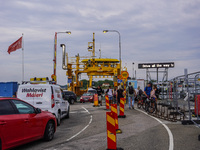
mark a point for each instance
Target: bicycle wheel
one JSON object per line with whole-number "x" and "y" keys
{"x": 151, "y": 107}
{"x": 139, "y": 104}
{"x": 144, "y": 106}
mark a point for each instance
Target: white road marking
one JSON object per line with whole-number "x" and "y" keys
{"x": 73, "y": 112}
{"x": 171, "y": 139}
{"x": 83, "y": 128}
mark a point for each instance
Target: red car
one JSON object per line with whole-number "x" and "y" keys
{"x": 87, "y": 97}
{"x": 21, "y": 123}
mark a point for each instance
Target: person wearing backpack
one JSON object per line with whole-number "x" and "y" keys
{"x": 131, "y": 93}
{"x": 120, "y": 94}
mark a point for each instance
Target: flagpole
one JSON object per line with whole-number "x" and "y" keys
{"x": 22, "y": 57}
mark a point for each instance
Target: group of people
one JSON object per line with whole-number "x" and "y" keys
{"x": 115, "y": 95}
{"x": 118, "y": 92}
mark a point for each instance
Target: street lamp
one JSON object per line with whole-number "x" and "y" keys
{"x": 105, "y": 31}
{"x": 133, "y": 69}
{"x": 55, "y": 48}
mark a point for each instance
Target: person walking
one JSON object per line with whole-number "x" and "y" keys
{"x": 109, "y": 92}
{"x": 99, "y": 92}
{"x": 119, "y": 94}
{"x": 139, "y": 93}
{"x": 131, "y": 93}
{"x": 115, "y": 95}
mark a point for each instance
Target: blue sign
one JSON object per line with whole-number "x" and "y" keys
{"x": 119, "y": 81}
{"x": 69, "y": 80}
{"x": 133, "y": 83}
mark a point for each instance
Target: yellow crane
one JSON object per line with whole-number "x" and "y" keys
{"x": 93, "y": 67}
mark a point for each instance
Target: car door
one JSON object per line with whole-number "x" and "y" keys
{"x": 33, "y": 122}
{"x": 62, "y": 102}
{"x": 11, "y": 125}
{"x": 66, "y": 95}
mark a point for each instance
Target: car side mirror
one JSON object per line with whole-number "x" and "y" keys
{"x": 38, "y": 110}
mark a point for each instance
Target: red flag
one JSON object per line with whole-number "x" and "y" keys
{"x": 16, "y": 45}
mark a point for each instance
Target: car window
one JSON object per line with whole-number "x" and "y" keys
{"x": 23, "y": 107}
{"x": 87, "y": 94}
{"x": 6, "y": 108}
{"x": 67, "y": 93}
{"x": 92, "y": 91}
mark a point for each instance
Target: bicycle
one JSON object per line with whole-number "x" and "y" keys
{"x": 142, "y": 102}
{"x": 151, "y": 105}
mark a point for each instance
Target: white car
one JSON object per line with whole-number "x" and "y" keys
{"x": 47, "y": 97}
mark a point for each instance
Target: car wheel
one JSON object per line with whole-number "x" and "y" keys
{"x": 67, "y": 116}
{"x": 72, "y": 101}
{"x": 49, "y": 131}
{"x": 58, "y": 119}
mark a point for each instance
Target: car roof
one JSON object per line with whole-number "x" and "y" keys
{"x": 91, "y": 89}
{"x": 42, "y": 85}
{"x": 7, "y": 98}
{"x": 68, "y": 91}
{"x": 13, "y": 98}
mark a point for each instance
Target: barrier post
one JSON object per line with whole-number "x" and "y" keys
{"x": 96, "y": 101}
{"x": 111, "y": 132}
{"x": 114, "y": 111}
{"x": 121, "y": 110}
{"x": 107, "y": 102}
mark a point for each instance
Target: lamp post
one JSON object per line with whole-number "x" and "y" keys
{"x": 55, "y": 48}
{"x": 133, "y": 70}
{"x": 105, "y": 31}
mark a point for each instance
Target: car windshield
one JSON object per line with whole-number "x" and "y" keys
{"x": 87, "y": 94}
{"x": 92, "y": 91}
{"x": 67, "y": 93}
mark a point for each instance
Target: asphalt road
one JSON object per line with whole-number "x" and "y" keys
{"x": 86, "y": 130}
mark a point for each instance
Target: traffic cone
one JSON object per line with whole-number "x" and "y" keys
{"x": 107, "y": 102}
{"x": 121, "y": 110}
{"x": 96, "y": 101}
{"x": 114, "y": 111}
{"x": 111, "y": 132}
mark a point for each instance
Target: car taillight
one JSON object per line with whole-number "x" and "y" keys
{"x": 52, "y": 101}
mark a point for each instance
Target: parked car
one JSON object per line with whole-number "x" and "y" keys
{"x": 47, "y": 97}
{"x": 87, "y": 97}
{"x": 21, "y": 123}
{"x": 70, "y": 96}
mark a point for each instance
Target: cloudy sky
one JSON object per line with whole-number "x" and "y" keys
{"x": 151, "y": 31}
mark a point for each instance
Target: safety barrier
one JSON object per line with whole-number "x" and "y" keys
{"x": 96, "y": 101}
{"x": 114, "y": 111}
{"x": 169, "y": 112}
{"x": 111, "y": 132}
{"x": 121, "y": 109}
{"x": 107, "y": 102}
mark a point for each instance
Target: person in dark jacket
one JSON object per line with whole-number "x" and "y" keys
{"x": 120, "y": 94}
{"x": 99, "y": 92}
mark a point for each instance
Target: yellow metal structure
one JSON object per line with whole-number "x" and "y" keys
{"x": 93, "y": 67}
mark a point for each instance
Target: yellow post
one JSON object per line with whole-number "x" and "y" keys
{"x": 90, "y": 81}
